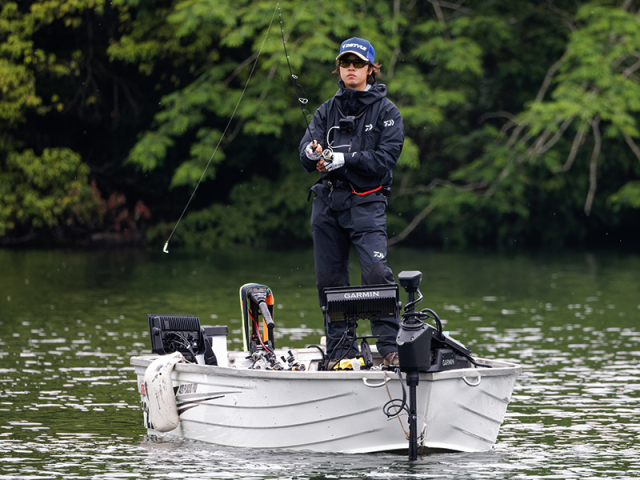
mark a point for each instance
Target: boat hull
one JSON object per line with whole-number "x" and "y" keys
{"x": 458, "y": 410}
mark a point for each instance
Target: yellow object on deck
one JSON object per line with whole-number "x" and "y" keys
{"x": 348, "y": 364}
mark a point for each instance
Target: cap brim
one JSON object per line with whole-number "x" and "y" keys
{"x": 355, "y": 53}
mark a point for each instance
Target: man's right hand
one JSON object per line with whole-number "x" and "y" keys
{"x": 311, "y": 153}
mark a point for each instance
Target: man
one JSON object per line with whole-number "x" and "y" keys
{"x": 361, "y": 133}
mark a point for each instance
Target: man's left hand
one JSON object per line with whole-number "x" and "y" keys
{"x": 337, "y": 161}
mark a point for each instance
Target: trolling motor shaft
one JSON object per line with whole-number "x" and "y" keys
{"x": 412, "y": 338}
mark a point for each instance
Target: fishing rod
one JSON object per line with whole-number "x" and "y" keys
{"x": 301, "y": 101}
{"x": 166, "y": 245}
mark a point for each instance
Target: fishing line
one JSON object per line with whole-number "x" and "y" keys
{"x": 301, "y": 101}
{"x": 166, "y": 245}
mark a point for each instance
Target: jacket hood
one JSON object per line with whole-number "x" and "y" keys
{"x": 352, "y": 102}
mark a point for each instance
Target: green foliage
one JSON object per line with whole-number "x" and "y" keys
{"x": 18, "y": 91}
{"x": 259, "y": 213}
{"x": 596, "y": 76}
{"x": 44, "y": 191}
{"x": 595, "y": 91}
{"x": 520, "y": 117}
{"x": 49, "y": 189}
{"x": 628, "y": 195}
{"x": 150, "y": 150}
{"x": 410, "y": 156}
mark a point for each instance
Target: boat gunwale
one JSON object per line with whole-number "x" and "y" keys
{"x": 499, "y": 368}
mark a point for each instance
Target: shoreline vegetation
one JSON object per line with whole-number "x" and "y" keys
{"x": 521, "y": 121}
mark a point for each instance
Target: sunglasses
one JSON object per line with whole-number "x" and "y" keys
{"x": 356, "y": 63}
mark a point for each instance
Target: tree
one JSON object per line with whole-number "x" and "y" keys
{"x": 597, "y": 92}
{"x": 519, "y": 177}
{"x": 66, "y": 113}
{"x": 50, "y": 189}
{"x": 520, "y": 117}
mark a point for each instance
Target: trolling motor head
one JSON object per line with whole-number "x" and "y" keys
{"x": 414, "y": 336}
{"x": 421, "y": 347}
{"x": 410, "y": 280}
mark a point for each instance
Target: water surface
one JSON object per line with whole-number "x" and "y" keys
{"x": 70, "y": 321}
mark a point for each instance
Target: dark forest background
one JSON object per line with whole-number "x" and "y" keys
{"x": 521, "y": 119}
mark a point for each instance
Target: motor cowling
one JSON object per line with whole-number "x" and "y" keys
{"x": 414, "y": 346}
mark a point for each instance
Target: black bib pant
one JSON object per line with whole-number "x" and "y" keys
{"x": 364, "y": 226}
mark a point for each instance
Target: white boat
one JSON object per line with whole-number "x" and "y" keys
{"x": 242, "y": 402}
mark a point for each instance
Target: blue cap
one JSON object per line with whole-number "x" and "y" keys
{"x": 360, "y": 47}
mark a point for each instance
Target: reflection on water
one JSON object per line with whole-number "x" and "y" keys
{"x": 70, "y": 321}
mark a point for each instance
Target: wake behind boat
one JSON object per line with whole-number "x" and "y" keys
{"x": 440, "y": 398}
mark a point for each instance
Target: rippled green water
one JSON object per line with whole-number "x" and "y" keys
{"x": 70, "y": 321}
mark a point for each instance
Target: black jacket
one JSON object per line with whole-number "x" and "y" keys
{"x": 371, "y": 149}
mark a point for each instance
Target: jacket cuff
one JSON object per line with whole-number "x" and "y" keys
{"x": 351, "y": 159}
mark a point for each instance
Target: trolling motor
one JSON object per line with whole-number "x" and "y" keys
{"x": 423, "y": 348}
{"x": 414, "y": 337}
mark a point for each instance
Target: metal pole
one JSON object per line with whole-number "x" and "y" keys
{"x": 412, "y": 381}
